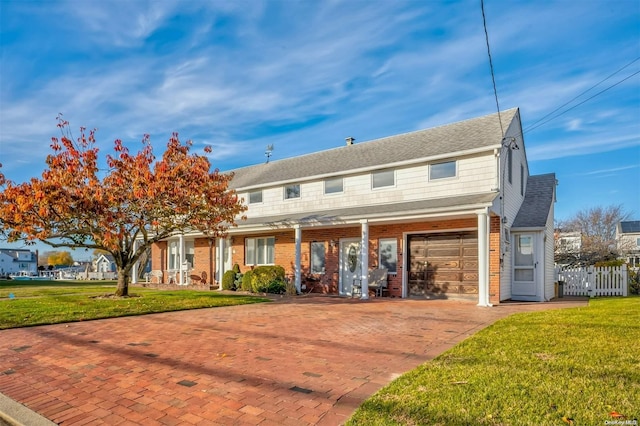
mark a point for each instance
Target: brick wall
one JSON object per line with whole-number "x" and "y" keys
{"x": 328, "y": 282}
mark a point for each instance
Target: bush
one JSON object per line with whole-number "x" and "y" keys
{"x": 246, "y": 281}
{"x": 228, "y": 280}
{"x": 634, "y": 281}
{"x": 263, "y": 276}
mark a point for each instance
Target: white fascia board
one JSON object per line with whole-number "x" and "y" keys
{"x": 451, "y": 155}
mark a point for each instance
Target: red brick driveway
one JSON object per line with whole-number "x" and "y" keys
{"x": 311, "y": 361}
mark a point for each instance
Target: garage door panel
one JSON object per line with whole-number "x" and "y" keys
{"x": 443, "y": 264}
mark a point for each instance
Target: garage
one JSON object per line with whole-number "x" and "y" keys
{"x": 443, "y": 265}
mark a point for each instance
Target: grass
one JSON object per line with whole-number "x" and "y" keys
{"x": 576, "y": 366}
{"x": 53, "y": 302}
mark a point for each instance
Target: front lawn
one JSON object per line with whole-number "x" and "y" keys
{"x": 26, "y": 303}
{"x": 576, "y": 366}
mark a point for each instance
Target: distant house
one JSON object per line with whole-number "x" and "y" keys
{"x": 567, "y": 246}
{"x": 450, "y": 212}
{"x": 104, "y": 263}
{"x": 18, "y": 261}
{"x": 628, "y": 238}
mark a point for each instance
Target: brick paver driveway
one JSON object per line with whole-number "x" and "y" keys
{"x": 308, "y": 361}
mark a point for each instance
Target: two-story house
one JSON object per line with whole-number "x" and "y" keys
{"x": 628, "y": 238}
{"x": 18, "y": 262}
{"x": 450, "y": 212}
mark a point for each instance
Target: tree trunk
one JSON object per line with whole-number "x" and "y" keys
{"x": 123, "y": 283}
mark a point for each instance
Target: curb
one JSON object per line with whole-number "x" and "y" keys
{"x": 13, "y": 413}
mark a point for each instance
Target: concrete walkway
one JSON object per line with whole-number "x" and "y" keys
{"x": 306, "y": 361}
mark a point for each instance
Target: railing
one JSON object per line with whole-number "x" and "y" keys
{"x": 591, "y": 281}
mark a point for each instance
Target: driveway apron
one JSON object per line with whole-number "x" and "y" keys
{"x": 300, "y": 361}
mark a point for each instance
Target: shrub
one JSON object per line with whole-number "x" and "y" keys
{"x": 634, "y": 281}
{"x": 263, "y": 276}
{"x": 246, "y": 281}
{"x": 228, "y": 280}
{"x": 236, "y": 268}
{"x": 277, "y": 286}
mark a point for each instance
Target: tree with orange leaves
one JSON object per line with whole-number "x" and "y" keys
{"x": 136, "y": 199}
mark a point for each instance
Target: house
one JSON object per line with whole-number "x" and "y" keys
{"x": 18, "y": 262}
{"x": 450, "y": 212}
{"x": 628, "y": 238}
{"x": 567, "y": 246}
{"x": 104, "y": 263}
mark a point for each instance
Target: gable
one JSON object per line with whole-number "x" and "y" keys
{"x": 440, "y": 142}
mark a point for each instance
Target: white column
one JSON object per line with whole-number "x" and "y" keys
{"x": 298, "y": 267}
{"x": 483, "y": 259}
{"x": 364, "y": 259}
{"x": 134, "y": 275}
{"x": 220, "y": 261}
{"x": 181, "y": 257}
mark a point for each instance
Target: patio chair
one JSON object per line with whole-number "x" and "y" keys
{"x": 378, "y": 280}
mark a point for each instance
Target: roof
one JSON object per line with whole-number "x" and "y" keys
{"x": 477, "y": 133}
{"x": 330, "y": 217}
{"x": 537, "y": 203}
{"x": 630, "y": 226}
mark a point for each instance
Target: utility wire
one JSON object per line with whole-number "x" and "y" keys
{"x": 493, "y": 78}
{"x": 533, "y": 125}
{"x": 530, "y": 128}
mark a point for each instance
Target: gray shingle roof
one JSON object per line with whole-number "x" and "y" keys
{"x": 537, "y": 202}
{"x": 326, "y": 217}
{"x": 630, "y": 226}
{"x": 482, "y": 132}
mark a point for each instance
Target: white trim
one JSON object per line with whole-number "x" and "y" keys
{"x": 362, "y": 170}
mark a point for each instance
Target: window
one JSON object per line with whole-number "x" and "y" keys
{"x": 510, "y": 164}
{"x": 259, "y": 251}
{"x": 442, "y": 170}
{"x": 317, "y": 258}
{"x": 638, "y": 242}
{"x": 333, "y": 186}
{"x": 388, "y": 254}
{"x": 292, "y": 191}
{"x": 383, "y": 178}
{"x": 174, "y": 254}
{"x": 521, "y": 179}
{"x": 255, "y": 197}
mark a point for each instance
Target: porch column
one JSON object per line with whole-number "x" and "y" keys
{"x": 134, "y": 275}
{"x": 220, "y": 261}
{"x": 364, "y": 259}
{"x": 298, "y": 267}
{"x": 483, "y": 258}
{"x": 181, "y": 257}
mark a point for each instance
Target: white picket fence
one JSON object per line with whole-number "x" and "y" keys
{"x": 592, "y": 281}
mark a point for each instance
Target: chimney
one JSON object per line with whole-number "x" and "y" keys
{"x": 350, "y": 140}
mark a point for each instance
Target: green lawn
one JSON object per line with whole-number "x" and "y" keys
{"x": 26, "y": 303}
{"x": 576, "y": 366}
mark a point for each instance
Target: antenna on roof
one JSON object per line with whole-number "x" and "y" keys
{"x": 268, "y": 152}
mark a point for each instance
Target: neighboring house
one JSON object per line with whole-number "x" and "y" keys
{"x": 18, "y": 261}
{"x": 104, "y": 263}
{"x": 451, "y": 212}
{"x": 567, "y": 246}
{"x": 628, "y": 238}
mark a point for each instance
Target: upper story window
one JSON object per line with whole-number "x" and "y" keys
{"x": 333, "y": 186}
{"x": 255, "y": 197}
{"x": 442, "y": 170}
{"x": 383, "y": 178}
{"x": 521, "y": 179}
{"x": 638, "y": 242}
{"x": 292, "y": 191}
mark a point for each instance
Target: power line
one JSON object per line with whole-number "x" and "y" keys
{"x": 530, "y": 128}
{"x": 493, "y": 78}
{"x": 533, "y": 125}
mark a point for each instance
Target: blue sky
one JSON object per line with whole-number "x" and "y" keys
{"x": 303, "y": 75}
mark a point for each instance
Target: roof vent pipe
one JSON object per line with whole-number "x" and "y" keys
{"x": 350, "y": 140}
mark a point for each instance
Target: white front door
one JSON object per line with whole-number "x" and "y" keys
{"x": 350, "y": 268}
{"x": 524, "y": 267}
